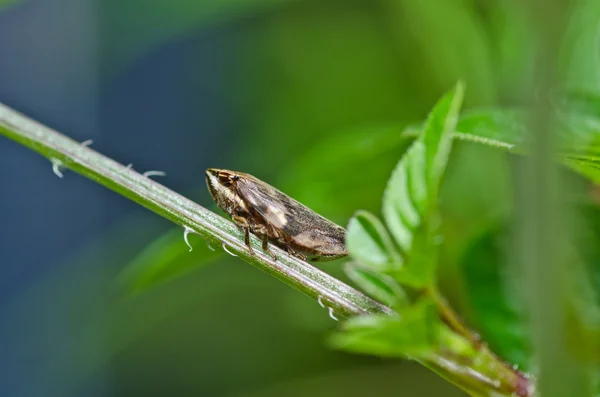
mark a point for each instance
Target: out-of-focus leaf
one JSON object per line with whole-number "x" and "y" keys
{"x": 502, "y": 128}
{"x": 379, "y": 286}
{"x": 580, "y": 102}
{"x": 513, "y": 47}
{"x": 370, "y": 244}
{"x": 411, "y": 333}
{"x": 473, "y": 198}
{"x": 579, "y": 56}
{"x": 495, "y": 310}
{"x": 492, "y": 288}
{"x": 496, "y": 127}
{"x": 588, "y": 237}
{"x": 584, "y": 327}
{"x": 578, "y": 130}
{"x": 331, "y": 177}
{"x": 412, "y": 189}
{"x": 164, "y": 259}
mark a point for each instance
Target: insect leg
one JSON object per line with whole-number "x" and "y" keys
{"x": 264, "y": 232}
{"x": 265, "y": 242}
{"x": 243, "y": 223}
{"x": 265, "y": 247}
{"x": 247, "y": 239}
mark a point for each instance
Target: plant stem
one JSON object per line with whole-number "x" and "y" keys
{"x": 66, "y": 153}
{"x": 490, "y": 363}
{"x": 451, "y": 318}
{"x": 344, "y": 300}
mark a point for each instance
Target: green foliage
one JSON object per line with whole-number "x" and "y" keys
{"x": 410, "y": 197}
{"x": 370, "y": 244}
{"x": 331, "y": 178}
{"x": 396, "y": 260}
{"x": 412, "y": 333}
{"x": 378, "y": 285}
{"x": 578, "y": 130}
{"x": 496, "y": 310}
{"x": 318, "y": 76}
{"x": 409, "y": 209}
{"x": 502, "y": 128}
{"x": 579, "y": 57}
{"x": 496, "y": 295}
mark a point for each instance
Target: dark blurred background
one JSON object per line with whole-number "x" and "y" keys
{"x": 99, "y": 297}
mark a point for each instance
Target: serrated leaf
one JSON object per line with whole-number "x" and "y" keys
{"x": 578, "y": 130}
{"x": 500, "y": 128}
{"x": 412, "y": 189}
{"x": 379, "y": 286}
{"x": 420, "y": 271}
{"x": 437, "y": 135}
{"x": 411, "y": 333}
{"x": 370, "y": 244}
{"x": 403, "y": 215}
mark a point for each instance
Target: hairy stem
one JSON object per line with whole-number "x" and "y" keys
{"x": 69, "y": 154}
{"x": 65, "y": 153}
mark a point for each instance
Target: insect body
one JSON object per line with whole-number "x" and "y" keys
{"x": 274, "y": 217}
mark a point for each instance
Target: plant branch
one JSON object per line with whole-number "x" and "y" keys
{"x": 66, "y": 153}
{"x": 512, "y": 378}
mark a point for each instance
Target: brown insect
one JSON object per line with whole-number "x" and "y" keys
{"x": 258, "y": 207}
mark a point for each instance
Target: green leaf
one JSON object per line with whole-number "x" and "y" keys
{"x": 401, "y": 212}
{"x": 411, "y": 333}
{"x": 496, "y": 306}
{"x": 579, "y": 53}
{"x": 578, "y": 130}
{"x": 437, "y": 135}
{"x": 500, "y": 128}
{"x": 164, "y": 259}
{"x": 495, "y": 310}
{"x": 411, "y": 194}
{"x": 379, "y": 286}
{"x": 342, "y": 183}
{"x": 370, "y": 244}
{"x": 581, "y": 102}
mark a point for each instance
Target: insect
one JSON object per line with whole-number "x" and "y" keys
{"x": 258, "y": 207}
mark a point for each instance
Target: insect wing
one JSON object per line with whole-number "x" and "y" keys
{"x": 307, "y": 228}
{"x": 275, "y": 207}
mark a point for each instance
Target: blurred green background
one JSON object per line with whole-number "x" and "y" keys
{"x": 103, "y": 299}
